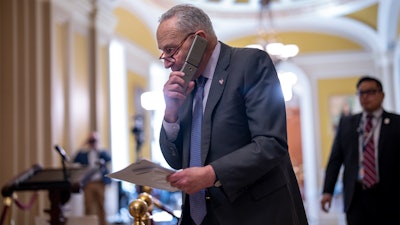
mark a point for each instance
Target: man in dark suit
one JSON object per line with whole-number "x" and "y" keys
{"x": 245, "y": 169}
{"x": 369, "y": 198}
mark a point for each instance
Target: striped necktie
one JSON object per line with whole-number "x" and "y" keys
{"x": 369, "y": 166}
{"x": 197, "y": 200}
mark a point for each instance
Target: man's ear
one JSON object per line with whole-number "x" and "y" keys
{"x": 201, "y": 33}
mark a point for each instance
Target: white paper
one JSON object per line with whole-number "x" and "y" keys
{"x": 145, "y": 173}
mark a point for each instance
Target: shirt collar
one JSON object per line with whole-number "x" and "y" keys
{"x": 377, "y": 113}
{"x": 212, "y": 63}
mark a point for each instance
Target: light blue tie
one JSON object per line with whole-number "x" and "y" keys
{"x": 197, "y": 200}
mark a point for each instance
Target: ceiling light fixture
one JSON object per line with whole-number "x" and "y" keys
{"x": 277, "y": 50}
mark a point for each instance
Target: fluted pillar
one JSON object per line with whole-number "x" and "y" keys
{"x": 53, "y": 84}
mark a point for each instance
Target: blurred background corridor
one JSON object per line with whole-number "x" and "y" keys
{"x": 71, "y": 67}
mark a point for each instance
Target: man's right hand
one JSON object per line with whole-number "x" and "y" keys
{"x": 175, "y": 94}
{"x": 326, "y": 202}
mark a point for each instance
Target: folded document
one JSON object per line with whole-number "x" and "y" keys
{"x": 145, "y": 173}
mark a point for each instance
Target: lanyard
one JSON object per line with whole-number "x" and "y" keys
{"x": 366, "y": 137}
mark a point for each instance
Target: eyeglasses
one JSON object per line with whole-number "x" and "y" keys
{"x": 169, "y": 53}
{"x": 368, "y": 92}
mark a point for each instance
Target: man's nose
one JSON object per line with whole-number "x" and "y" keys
{"x": 168, "y": 64}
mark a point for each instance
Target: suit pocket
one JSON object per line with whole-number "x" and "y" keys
{"x": 268, "y": 184}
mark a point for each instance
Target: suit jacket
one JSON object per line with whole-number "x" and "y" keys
{"x": 82, "y": 158}
{"x": 345, "y": 151}
{"x": 244, "y": 138}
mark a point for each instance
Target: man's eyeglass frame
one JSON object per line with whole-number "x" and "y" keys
{"x": 368, "y": 92}
{"x": 170, "y": 57}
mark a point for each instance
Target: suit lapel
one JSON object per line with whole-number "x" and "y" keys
{"x": 384, "y": 131}
{"x": 217, "y": 87}
{"x": 354, "y": 138}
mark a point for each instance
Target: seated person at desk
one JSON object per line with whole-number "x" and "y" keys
{"x": 91, "y": 155}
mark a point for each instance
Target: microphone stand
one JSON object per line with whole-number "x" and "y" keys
{"x": 64, "y": 158}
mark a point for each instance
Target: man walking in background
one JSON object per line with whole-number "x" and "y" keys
{"x": 368, "y": 146}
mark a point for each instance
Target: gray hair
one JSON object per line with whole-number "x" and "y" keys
{"x": 190, "y": 19}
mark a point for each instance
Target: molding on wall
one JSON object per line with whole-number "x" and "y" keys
{"x": 138, "y": 59}
{"x": 339, "y": 64}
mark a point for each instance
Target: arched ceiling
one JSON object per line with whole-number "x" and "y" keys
{"x": 314, "y": 25}
{"x": 288, "y": 8}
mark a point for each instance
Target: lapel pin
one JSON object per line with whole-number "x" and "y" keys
{"x": 221, "y": 82}
{"x": 386, "y": 121}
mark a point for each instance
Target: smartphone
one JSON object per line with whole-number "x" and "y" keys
{"x": 193, "y": 58}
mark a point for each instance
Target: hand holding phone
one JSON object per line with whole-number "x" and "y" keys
{"x": 193, "y": 58}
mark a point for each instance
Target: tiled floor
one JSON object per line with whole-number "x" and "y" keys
{"x": 328, "y": 219}
{"x": 317, "y": 217}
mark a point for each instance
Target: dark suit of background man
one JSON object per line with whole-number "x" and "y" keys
{"x": 247, "y": 172}
{"x": 93, "y": 156}
{"x": 379, "y": 204}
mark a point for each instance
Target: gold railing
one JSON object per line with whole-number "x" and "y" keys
{"x": 141, "y": 208}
